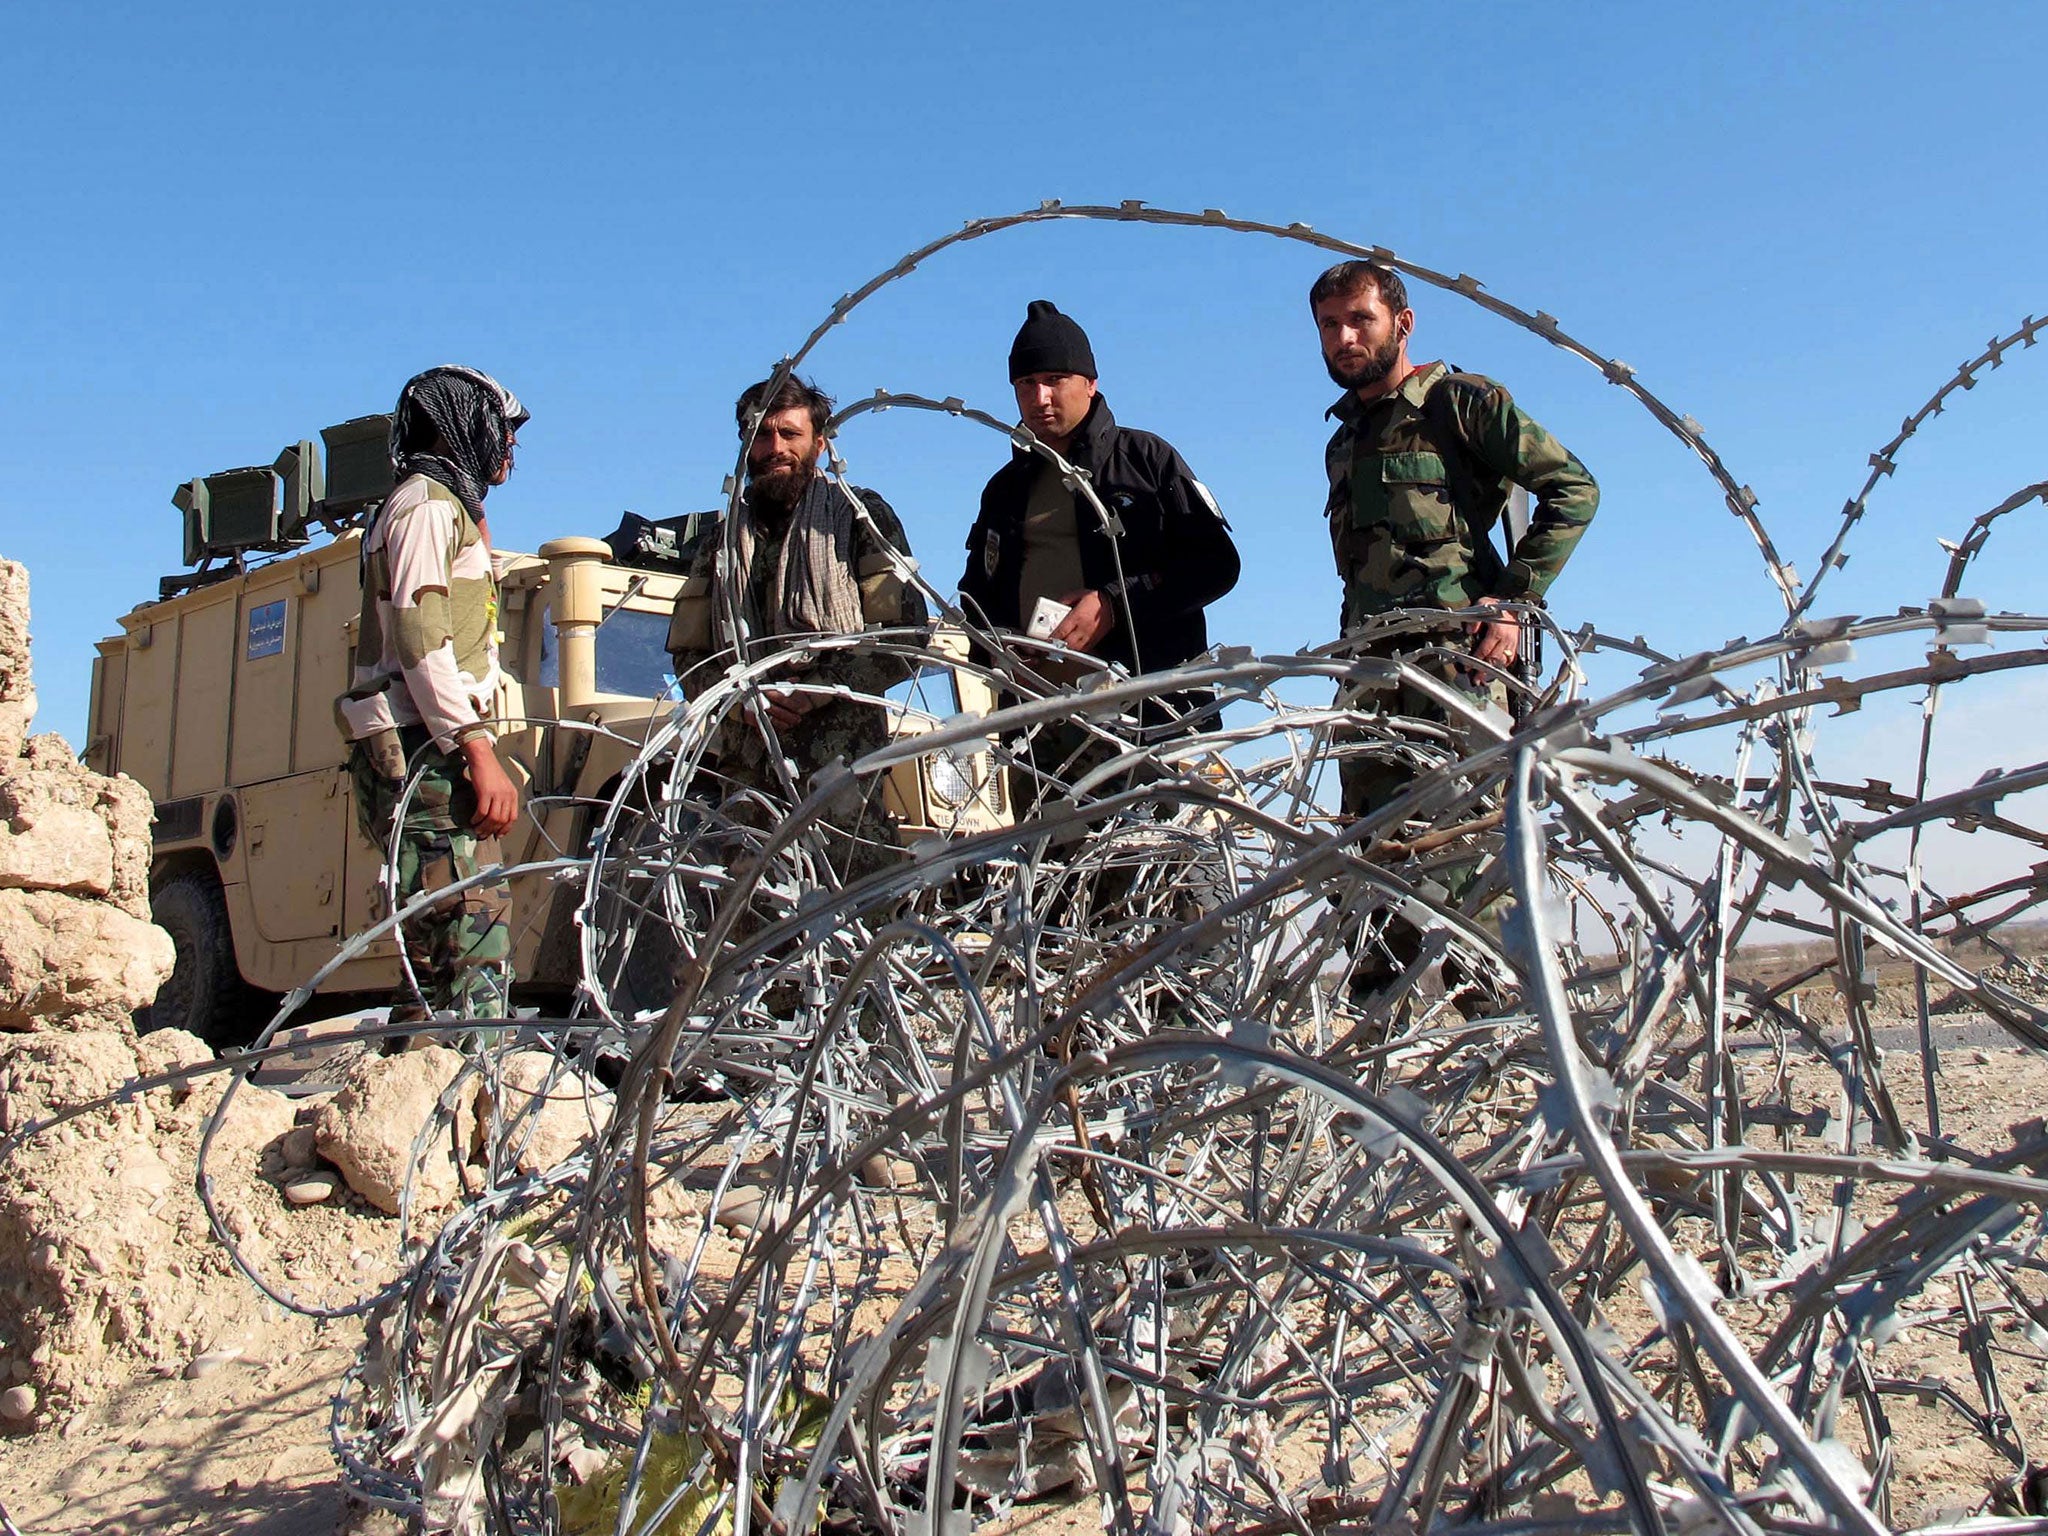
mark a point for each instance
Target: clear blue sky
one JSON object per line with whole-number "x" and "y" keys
{"x": 229, "y": 226}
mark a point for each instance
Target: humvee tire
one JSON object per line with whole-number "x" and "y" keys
{"x": 205, "y": 994}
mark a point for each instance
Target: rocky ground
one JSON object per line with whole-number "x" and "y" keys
{"x": 144, "y": 1384}
{"x": 225, "y": 1429}
{"x": 174, "y": 1396}
{"x": 241, "y": 1446}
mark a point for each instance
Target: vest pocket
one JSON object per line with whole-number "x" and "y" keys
{"x": 1418, "y": 500}
{"x": 881, "y": 590}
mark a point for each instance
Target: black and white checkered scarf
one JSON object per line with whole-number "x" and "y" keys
{"x": 454, "y": 425}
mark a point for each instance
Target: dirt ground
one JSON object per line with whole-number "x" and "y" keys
{"x": 236, "y": 1440}
{"x": 241, "y": 1448}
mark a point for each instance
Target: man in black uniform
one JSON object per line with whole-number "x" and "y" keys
{"x": 1133, "y": 585}
{"x": 1135, "y": 591}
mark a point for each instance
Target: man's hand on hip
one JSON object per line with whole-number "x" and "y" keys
{"x": 1090, "y": 622}
{"x": 497, "y": 797}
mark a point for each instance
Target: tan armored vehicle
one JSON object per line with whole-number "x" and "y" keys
{"x": 218, "y": 698}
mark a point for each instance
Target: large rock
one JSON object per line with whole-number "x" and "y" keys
{"x": 166, "y": 1050}
{"x": 257, "y": 1119}
{"x": 17, "y": 695}
{"x": 15, "y": 715}
{"x": 51, "y": 1071}
{"x": 49, "y": 782}
{"x": 367, "y": 1130}
{"x": 64, "y": 961}
{"x": 547, "y": 1112}
{"x": 106, "y": 1260}
{"x": 128, "y": 811}
{"x": 53, "y": 836}
{"x": 14, "y": 673}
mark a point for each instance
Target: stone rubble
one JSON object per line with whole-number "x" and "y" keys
{"x": 108, "y": 1264}
{"x": 102, "y": 1266}
{"x": 547, "y": 1111}
{"x": 368, "y": 1129}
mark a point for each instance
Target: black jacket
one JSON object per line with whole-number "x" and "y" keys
{"x": 1177, "y": 554}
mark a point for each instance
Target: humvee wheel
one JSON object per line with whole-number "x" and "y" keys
{"x": 205, "y": 994}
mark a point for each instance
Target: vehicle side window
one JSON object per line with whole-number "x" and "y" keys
{"x": 550, "y": 663}
{"x": 632, "y": 653}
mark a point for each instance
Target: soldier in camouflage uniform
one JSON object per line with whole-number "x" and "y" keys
{"x": 426, "y": 671}
{"x": 817, "y": 561}
{"x": 1420, "y": 468}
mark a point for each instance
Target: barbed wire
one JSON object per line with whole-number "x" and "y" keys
{"x": 1155, "y": 1147}
{"x": 1258, "y": 1025}
{"x": 1884, "y": 461}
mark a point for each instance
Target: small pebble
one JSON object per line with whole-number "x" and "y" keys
{"x": 312, "y": 1190}
{"x": 18, "y": 1404}
{"x": 885, "y": 1172}
{"x": 297, "y": 1147}
{"x": 746, "y": 1210}
{"x": 211, "y": 1361}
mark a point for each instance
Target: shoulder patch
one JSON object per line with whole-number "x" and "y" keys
{"x": 1208, "y": 500}
{"x": 991, "y": 553}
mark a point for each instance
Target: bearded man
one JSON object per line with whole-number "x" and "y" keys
{"x": 814, "y": 557}
{"x": 1419, "y": 469}
{"x": 426, "y": 673}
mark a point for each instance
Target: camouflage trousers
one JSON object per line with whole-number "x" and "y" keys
{"x": 1372, "y": 779}
{"x": 460, "y": 948}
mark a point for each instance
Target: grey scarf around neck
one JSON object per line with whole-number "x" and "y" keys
{"x": 813, "y": 588}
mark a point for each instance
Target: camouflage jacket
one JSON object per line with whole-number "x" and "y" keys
{"x": 1419, "y": 477}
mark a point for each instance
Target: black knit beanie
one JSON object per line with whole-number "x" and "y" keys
{"x": 1050, "y": 342}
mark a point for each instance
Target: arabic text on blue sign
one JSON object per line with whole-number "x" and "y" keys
{"x": 266, "y": 630}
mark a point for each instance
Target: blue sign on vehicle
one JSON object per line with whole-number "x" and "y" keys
{"x": 266, "y": 631}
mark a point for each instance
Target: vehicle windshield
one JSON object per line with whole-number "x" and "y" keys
{"x": 928, "y": 691}
{"x": 632, "y": 654}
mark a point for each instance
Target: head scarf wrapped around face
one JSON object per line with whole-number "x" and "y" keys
{"x": 455, "y": 425}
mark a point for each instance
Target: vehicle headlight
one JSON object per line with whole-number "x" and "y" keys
{"x": 950, "y": 780}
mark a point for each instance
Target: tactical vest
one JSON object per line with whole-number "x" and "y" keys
{"x": 1413, "y": 530}
{"x": 472, "y": 600}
